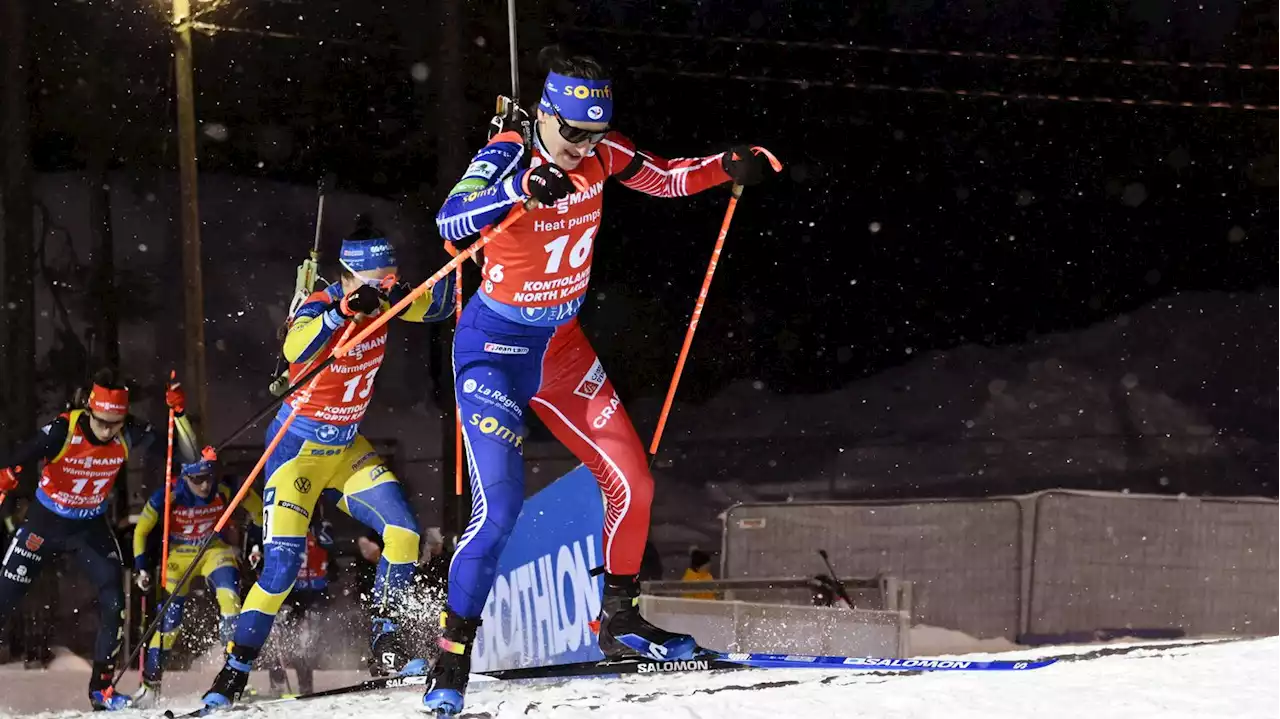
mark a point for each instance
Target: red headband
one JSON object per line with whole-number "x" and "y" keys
{"x": 109, "y": 401}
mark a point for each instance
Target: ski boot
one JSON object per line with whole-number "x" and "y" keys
{"x": 108, "y": 700}
{"x": 624, "y": 634}
{"x": 148, "y": 695}
{"x": 230, "y": 683}
{"x": 278, "y": 683}
{"x": 390, "y": 656}
{"x": 448, "y": 681}
{"x": 103, "y": 696}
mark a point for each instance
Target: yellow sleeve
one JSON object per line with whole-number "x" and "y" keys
{"x": 304, "y": 338}
{"x": 312, "y": 326}
{"x": 436, "y": 304}
{"x": 146, "y": 522}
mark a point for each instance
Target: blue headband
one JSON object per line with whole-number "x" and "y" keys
{"x": 576, "y": 99}
{"x": 366, "y": 255}
{"x": 203, "y": 466}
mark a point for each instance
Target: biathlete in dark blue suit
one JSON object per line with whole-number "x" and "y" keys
{"x": 83, "y": 451}
{"x": 519, "y": 346}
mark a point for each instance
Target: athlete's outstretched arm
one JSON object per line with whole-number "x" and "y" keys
{"x": 490, "y": 187}
{"x": 658, "y": 176}
{"x": 146, "y": 522}
{"x": 45, "y": 445}
{"x": 437, "y": 304}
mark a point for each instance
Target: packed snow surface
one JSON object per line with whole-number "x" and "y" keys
{"x": 1235, "y": 679}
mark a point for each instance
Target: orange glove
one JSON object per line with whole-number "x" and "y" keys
{"x": 175, "y": 398}
{"x": 9, "y": 479}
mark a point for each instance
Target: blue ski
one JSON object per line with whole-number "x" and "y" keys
{"x": 711, "y": 661}
{"x": 925, "y": 664}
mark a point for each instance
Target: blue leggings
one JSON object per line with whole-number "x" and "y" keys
{"x": 501, "y": 369}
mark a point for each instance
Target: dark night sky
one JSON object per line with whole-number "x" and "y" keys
{"x": 904, "y": 222}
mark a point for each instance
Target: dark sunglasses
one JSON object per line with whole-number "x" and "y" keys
{"x": 200, "y": 478}
{"x": 104, "y": 422}
{"x": 576, "y": 135}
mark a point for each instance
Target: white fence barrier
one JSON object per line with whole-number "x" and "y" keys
{"x": 1051, "y": 563}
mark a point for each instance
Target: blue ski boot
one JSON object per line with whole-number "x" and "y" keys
{"x": 389, "y": 655}
{"x": 103, "y": 696}
{"x": 108, "y": 700}
{"x": 624, "y": 634}
{"x": 448, "y": 683}
{"x": 230, "y": 683}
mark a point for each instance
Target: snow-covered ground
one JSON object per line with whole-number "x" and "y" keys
{"x": 1235, "y": 679}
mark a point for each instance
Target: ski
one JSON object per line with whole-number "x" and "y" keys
{"x": 367, "y": 685}
{"x": 713, "y": 661}
{"x": 708, "y": 661}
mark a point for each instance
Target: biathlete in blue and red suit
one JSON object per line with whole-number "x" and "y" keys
{"x": 519, "y": 345}
{"x": 83, "y": 451}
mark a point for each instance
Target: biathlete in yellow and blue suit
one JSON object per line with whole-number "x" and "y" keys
{"x": 196, "y": 503}
{"x": 323, "y": 452}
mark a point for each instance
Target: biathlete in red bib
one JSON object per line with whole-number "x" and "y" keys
{"x": 519, "y": 346}
{"x": 323, "y": 453}
{"x": 83, "y": 451}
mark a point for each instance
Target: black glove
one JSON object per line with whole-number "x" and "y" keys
{"x": 364, "y": 300}
{"x": 547, "y": 184}
{"x": 746, "y": 165}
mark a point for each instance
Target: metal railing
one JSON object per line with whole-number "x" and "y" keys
{"x": 1038, "y": 567}
{"x": 882, "y": 592}
{"x": 737, "y": 626}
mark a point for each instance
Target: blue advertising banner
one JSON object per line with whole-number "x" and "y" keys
{"x": 544, "y": 597}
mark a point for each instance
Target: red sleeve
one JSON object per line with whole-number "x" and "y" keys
{"x": 658, "y": 176}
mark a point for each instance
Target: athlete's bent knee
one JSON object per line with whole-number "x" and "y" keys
{"x": 640, "y": 486}
{"x": 280, "y": 566}
{"x": 400, "y": 545}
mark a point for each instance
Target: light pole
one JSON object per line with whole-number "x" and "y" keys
{"x": 193, "y": 283}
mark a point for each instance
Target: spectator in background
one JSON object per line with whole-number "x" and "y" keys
{"x": 699, "y": 571}
{"x": 433, "y": 562}
{"x": 370, "y": 546}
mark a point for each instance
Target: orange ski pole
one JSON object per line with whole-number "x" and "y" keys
{"x": 697, "y": 307}
{"x": 210, "y": 454}
{"x": 275, "y": 441}
{"x": 344, "y": 347}
{"x": 168, "y": 498}
{"x": 579, "y": 182}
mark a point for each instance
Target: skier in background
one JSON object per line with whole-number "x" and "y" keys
{"x": 83, "y": 451}
{"x": 519, "y": 345}
{"x": 196, "y": 503}
{"x": 323, "y": 452}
